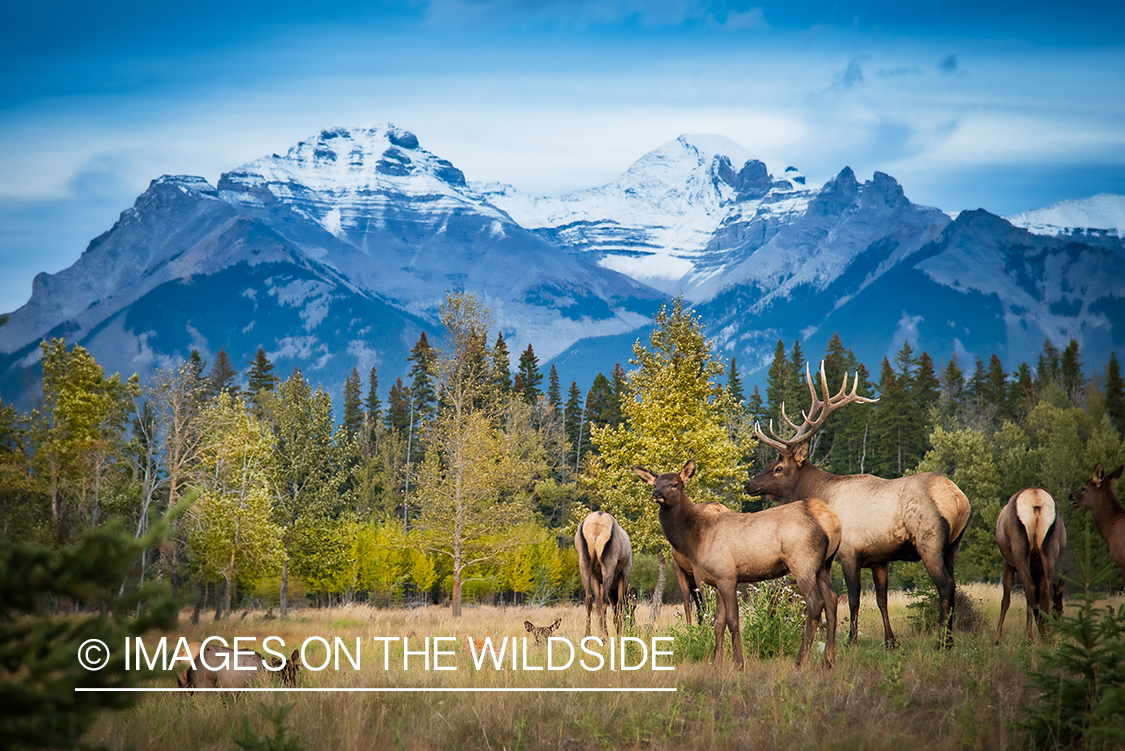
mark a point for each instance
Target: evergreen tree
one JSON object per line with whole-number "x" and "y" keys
{"x": 529, "y": 376}
{"x": 353, "y": 407}
{"x": 554, "y": 393}
{"x": 1047, "y": 369}
{"x": 1021, "y": 393}
{"x": 926, "y": 389}
{"x": 260, "y": 376}
{"x": 599, "y": 402}
{"x": 398, "y": 409}
{"x": 995, "y": 388}
{"x": 501, "y": 366}
{"x": 373, "y": 405}
{"x": 574, "y": 425}
{"x": 222, "y": 376}
{"x": 422, "y": 394}
{"x": 952, "y": 391}
{"x": 777, "y": 381}
{"x": 1115, "y": 393}
{"x": 734, "y": 386}
{"x": 197, "y": 365}
{"x": 1070, "y": 371}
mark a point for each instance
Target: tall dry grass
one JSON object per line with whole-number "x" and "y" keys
{"x": 917, "y": 697}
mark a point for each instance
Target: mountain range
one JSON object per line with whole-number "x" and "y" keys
{"x": 339, "y": 253}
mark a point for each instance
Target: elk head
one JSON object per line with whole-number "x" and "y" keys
{"x": 1096, "y": 489}
{"x": 779, "y": 479}
{"x": 668, "y": 488}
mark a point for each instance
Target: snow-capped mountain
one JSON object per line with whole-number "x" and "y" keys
{"x": 338, "y": 254}
{"x": 656, "y": 222}
{"x": 1099, "y": 219}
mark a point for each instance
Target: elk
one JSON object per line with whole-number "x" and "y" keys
{"x": 726, "y": 549}
{"x": 1031, "y": 537}
{"x": 605, "y": 560}
{"x": 1097, "y": 495}
{"x": 222, "y": 667}
{"x": 921, "y": 517}
{"x": 681, "y": 566}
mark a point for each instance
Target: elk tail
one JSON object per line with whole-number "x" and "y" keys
{"x": 1036, "y": 512}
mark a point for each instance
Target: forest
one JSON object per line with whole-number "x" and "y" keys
{"x": 465, "y": 483}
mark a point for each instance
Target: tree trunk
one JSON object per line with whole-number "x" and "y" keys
{"x": 658, "y": 593}
{"x": 285, "y": 585}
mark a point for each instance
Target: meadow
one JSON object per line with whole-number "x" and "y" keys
{"x": 916, "y": 697}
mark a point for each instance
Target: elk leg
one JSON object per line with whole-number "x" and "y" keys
{"x": 824, "y": 582}
{"x": 809, "y": 588}
{"x": 685, "y": 591}
{"x": 851, "y": 581}
{"x": 1029, "y": 593}
{"x": 1005, "y": 601}
{"x": 879, "y": 577}
{"x": 942, "y": 575}
{"x": 729, "y": 595}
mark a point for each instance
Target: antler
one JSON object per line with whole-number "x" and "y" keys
{"x": 812, "y": 419}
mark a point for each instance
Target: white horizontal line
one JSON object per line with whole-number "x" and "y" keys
{"x": 389, "y": 689}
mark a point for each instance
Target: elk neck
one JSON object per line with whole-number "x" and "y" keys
{"x": 679, "y": 520}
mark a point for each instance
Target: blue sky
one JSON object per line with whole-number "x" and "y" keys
{"x": 1006, "y": 106}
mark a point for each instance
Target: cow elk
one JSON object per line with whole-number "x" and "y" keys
{"x": 605, "y": 560}
{"x": 921, "y": 517}
{"x": 685, "y": 577}
{"x": 220, "y": 666}
{"x": 726, "y": 549}
{"x": 1032, "y": 537}
{"x": 1097, "y": 495}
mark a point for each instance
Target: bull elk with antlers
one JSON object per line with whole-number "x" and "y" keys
{"x": 1032, "y": 537}
{"x": 1097, "y": 495}
{"x": 725, "y": 549}
{"x": 921, "y": 517}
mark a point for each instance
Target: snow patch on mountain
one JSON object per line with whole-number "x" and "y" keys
{"x": 1105, "y": 211}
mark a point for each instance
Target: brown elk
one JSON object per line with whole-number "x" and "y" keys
{"x": 1032, "y": 537}
{"x": 921, "y": 517}
{"x": 726, "y": 549}
{"x": 220, "y": 666}
{"x": 1097, "y": 495}
{"x": 681, "y": 566}
{"x": 605, "y": 560}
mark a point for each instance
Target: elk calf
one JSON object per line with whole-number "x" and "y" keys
{"x": 605, "y": 560}
{"x": 1097, "y": 495}
{"x": 1031, "y": 537}
{"x": 800, "y": 538}
{"x": 541, "y": 633}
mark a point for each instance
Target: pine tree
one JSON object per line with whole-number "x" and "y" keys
{"x": 1021, "y": 393}
{"x": 398, "y": 409}
{"x": 1115, "y": 393}
{"x": 1070, "y": 370}
{"x": 260, "y": 376}
{"x": 554, "y": 393}
{"x": 777, "y": 381}
{"x": 995, "y": 388}
{"x": 599, "y": 402}
{"x": 373, "y": 405}
{"x": 574, "y": 424}
{"x": 755, "y": 409}
{"x": 734, "y": 386}
{"x": 501, "y": 366}
{"x": 222, "y": 376}
{"x": 353, "y": 408}
{"x": 1047, "y": 369}
{"x": 422, "y": 394}
{"x": 529, "y": 376}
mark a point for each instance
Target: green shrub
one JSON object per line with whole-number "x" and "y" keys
{"x": 1081, "y": 681}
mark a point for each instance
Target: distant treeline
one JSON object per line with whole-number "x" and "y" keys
{"x": 468, "y": 480}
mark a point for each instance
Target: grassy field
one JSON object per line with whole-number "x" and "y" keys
{"x": 916, "y": 697}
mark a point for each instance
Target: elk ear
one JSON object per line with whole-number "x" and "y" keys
{"x": 528, "y": 626}
{"x": 801, "y": 453}
{"x": 295, "y": 657}
{"x": 1099, "y": 474}
{"x": 644, "y": 474}
{"x": 1116, "y": 474}
{"x": 688, "y": 471}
